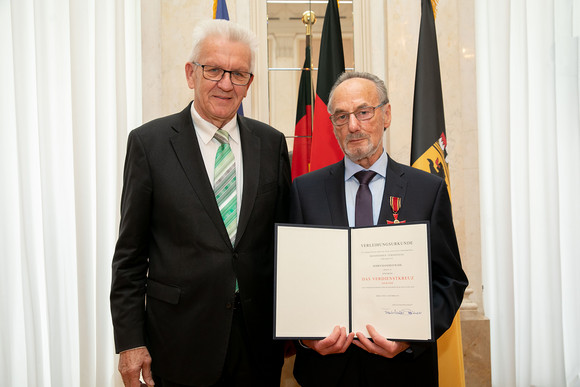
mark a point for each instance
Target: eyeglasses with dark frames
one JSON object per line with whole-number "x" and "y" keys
{"x": 363, "y": 114}
{"x": 213, "y": 73}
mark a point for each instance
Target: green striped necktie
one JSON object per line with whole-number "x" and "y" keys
{"x": 225, "y": 183}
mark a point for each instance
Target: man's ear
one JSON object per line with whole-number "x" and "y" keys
{"x": 387, "y": 115}
{"x": 190, "y": 74}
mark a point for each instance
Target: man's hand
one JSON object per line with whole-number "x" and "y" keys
{"x": 380, "y": 346}
{"x": 337, "y": 342}
{"x": 132, "y": 363}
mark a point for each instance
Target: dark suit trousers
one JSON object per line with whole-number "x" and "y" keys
{"x": 239, "y": 368}
{"x": 358, "y": 368}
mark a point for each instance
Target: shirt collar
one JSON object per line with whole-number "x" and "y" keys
{"x": 206, "y": 130}
{"x": 380, "y": 166}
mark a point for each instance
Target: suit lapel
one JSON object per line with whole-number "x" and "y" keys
{"x": 334, "y": 190}
{"x": 395, "y": 185}
{"x": 251, "y": 155}
{"x": 186, "y": 147}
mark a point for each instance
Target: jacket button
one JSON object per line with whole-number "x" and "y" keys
{"x": 229, "y": 305}
{"x": 235, "y": 255}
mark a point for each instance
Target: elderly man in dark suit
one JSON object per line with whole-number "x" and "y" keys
{"x": 192, "y": 284}
{"x": 360, "y": 112}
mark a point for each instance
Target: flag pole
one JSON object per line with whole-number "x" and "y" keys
{"x": 309, "y": 18}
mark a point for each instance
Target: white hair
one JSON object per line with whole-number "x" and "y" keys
{"x": 225, "y": 29}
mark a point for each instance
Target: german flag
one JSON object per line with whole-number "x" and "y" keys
{"x": 325, "y": 148}
{"x": 429, "y": 153}
{"x": 303, "y": 130}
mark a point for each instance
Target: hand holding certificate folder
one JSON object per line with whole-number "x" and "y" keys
{"x": 337, "y": 342}
{"x": 352, "y": 277}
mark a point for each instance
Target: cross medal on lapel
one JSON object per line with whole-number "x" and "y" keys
{"x": 395, "y": 206}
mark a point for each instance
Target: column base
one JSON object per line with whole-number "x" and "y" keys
{"x": 476, "y": 349}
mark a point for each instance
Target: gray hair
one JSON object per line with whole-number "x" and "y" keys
{"x": 225, "y": 29}
{"x": 380, "y": 85}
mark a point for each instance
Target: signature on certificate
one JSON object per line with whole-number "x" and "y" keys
{"x": 401, "y": 311}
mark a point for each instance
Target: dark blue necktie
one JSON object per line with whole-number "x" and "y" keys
{"x": 363, "y": 212}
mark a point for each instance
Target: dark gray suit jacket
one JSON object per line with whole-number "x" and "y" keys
{"x": 319, "y": 198}
{"x": 173, "y": 249}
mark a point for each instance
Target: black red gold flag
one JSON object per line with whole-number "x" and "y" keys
{"x": 303, "y": 130}
{"x": 325, "y": 148}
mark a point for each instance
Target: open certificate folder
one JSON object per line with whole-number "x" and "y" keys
{"x": 351, "y": 277}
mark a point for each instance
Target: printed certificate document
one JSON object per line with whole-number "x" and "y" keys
{"x": 351, "y": 277}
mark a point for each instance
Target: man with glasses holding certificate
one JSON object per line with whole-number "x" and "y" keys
{"x": 192, "y": 288}
{"x": 369, "y": 188}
